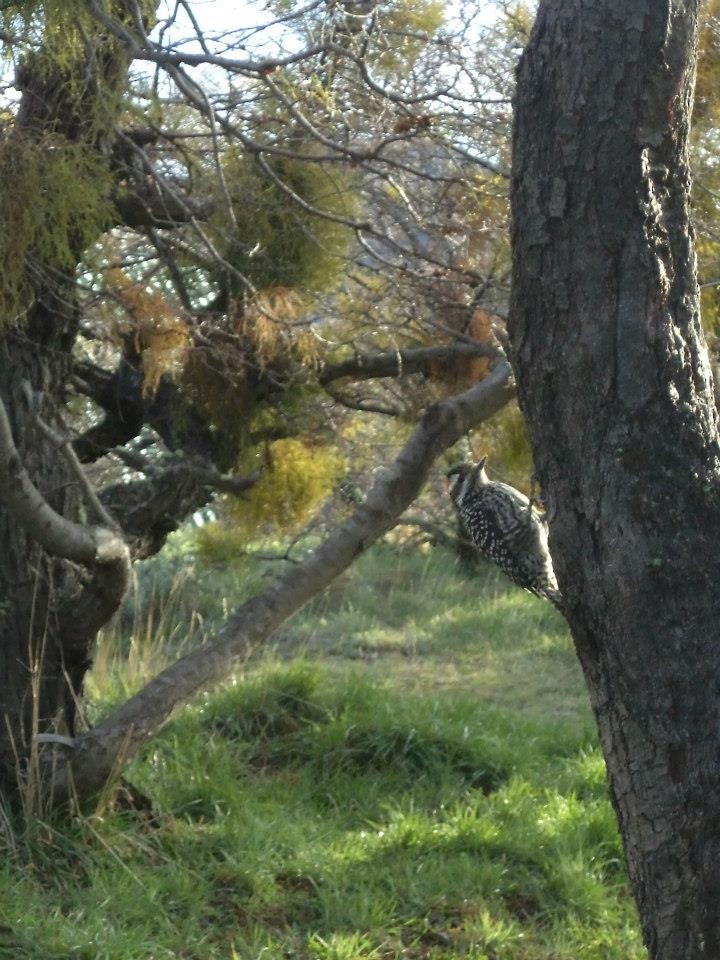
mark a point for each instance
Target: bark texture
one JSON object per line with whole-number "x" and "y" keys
{"x": 615, "y": 382}
{"x": 50, "y": 609}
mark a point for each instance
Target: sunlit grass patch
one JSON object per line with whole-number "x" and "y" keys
{"x": 423, "y": 783}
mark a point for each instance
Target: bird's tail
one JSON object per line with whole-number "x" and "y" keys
{"x": 555, "y": 597}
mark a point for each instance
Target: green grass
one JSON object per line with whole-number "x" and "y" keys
{"x": 411, "y": 773}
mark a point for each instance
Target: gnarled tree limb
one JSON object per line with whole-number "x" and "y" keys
{"x": 56, "y": 534}
{"x": 101, "y": 549}
{"x": 127, "y": 409}
{"x": 149, "y": 509}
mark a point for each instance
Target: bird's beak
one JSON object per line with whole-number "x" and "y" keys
{"x": 478, "y": 468}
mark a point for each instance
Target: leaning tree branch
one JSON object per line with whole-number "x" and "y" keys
{"x": 81, "y": 616}
{"x": 103, "y": 751}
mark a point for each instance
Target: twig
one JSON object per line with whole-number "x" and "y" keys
{"x": 65, "y": 446}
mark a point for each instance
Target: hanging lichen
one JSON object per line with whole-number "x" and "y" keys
{"x": 160, "y": 336}
{"x": 55, "y": 178}
{"x": 266, "y": 321}
{"x": 63, "y": 26}
{"x": 54, "y": 201}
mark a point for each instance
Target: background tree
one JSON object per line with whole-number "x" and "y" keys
{"x": 198, "y": 232}
{"x": 605, "y": 294}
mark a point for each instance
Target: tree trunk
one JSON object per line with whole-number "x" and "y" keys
{"x": 34, "y": 691}
{"x": 50, "y": 610}
{"x": 614, "y": 380}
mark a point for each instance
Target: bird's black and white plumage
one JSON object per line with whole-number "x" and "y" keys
{"x": 504, "y": 527}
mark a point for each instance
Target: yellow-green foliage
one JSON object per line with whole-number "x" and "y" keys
{"x": 405, "y": 24}
{"x": 415, "y": 16}
{"x": 54, "y": 200}
{"x": 400, "y": 28}
{"x": 277, "y": 243}
{"x": 707, "y": 102}
{"x": 64, "y": 24}
{"x": 505, "y": 441}
{"x": 518, "y": 20}
{"x": 300, "y": 477}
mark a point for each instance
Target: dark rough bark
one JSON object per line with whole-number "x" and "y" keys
{"x": 120, "y": 395}
{"x": 32, "y": 664}
{"x": 614, "y": 380}
{"x": 49, "y": 608}
{"x": 148, "y": 510}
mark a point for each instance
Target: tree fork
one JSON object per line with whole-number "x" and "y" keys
{"x": 614, "y": 380}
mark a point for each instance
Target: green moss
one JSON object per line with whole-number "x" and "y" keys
{"x": 65, "y": 24}
{"x": 54, "y": 200}
{"x": 55, "y": 183}
{"x": 276, "y": 242}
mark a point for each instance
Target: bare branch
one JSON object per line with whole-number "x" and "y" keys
{"x": 396, "y": 363}
{"x": 364, "y": 404}
{"x": 169, "y": 58}
{"x": 158, "y": 208}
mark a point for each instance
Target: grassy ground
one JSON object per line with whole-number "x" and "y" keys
{"x": 410, "y": 773}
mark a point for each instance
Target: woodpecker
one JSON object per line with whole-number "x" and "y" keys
{"x": 505, "y": 527}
